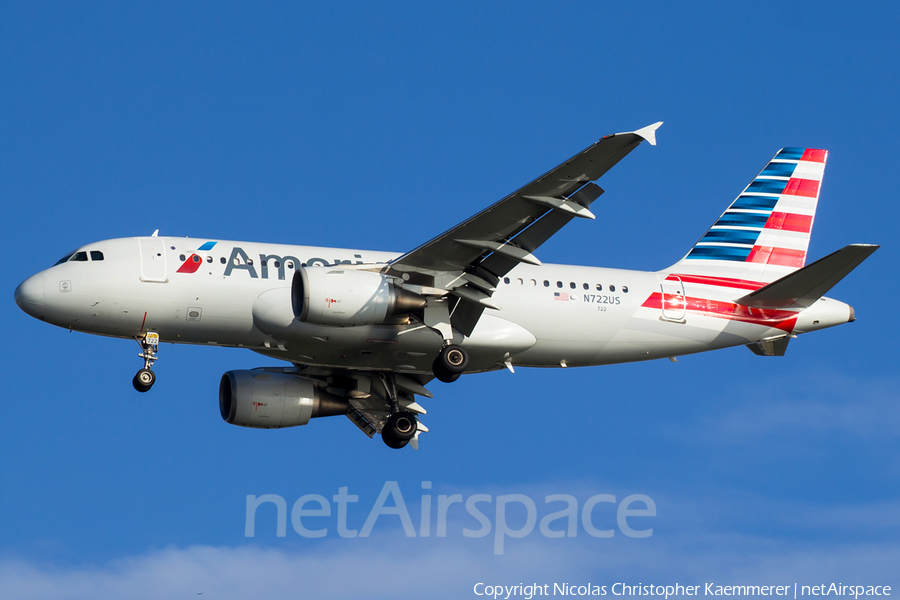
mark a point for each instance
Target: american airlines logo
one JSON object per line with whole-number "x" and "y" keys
{"x": 256, "y": 405}
{"x": 330, "y": 301}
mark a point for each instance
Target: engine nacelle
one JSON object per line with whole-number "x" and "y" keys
{"x": 268, "y": 400}
{"x": 346, "y": 297}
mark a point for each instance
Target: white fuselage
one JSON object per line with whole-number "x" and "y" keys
{"x": 239, "y": 294}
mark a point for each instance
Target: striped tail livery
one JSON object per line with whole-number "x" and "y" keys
{"x": 764, "y": 234}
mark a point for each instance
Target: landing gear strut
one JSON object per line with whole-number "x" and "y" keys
{"x": 450, "y": 363}
{"x": 145, "y": 378}
{"x": 402, "y": 425}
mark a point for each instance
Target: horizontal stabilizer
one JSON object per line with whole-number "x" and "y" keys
{"x": 803, "y": 287}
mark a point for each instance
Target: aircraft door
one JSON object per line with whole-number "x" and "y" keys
{"x": 153, "y": 259}
{"x": 673, "y": 300}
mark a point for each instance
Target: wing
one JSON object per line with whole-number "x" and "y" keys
{"x": 468, "y": 260}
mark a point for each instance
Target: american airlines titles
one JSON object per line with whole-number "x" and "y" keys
{"x": 240, "y": 261}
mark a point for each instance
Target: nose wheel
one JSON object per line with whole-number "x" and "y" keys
{"x": 450, "y": 363}
{"x": 145, "y": 378}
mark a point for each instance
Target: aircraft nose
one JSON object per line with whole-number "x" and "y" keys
{"x": 30, "y": 295}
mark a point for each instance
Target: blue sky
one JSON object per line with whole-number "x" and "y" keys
{"x": 378, "y": 126}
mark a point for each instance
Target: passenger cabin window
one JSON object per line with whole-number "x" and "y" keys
{"x": 599, "y": 287}
{"x": 559, "y": 284}
{"x": 572, "y": 284}
{"x": 80, "y": 257}
{"x": 222, "y": 260}
{"x": 209, "y": 259}
{"x": 96, "y": 255}
{"x": 612, "y": 288}
{"x": 586, "y": 286}
{"x": 506, "y": 280}
{"x": 546, "y": 283}
{"x": 624, "y": 289}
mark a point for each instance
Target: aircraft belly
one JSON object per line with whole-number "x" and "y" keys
{"x": 393, "y": 347}
{"x": 404, "y": 346}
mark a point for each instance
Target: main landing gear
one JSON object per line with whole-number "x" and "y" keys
{"x": 145, "y": 378}
{"x": 399, "y": 429}
{"x": 450, "y": 363}
{"x": 402, "y": 425}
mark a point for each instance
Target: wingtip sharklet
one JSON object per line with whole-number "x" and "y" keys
{"x": 649, "y": 132}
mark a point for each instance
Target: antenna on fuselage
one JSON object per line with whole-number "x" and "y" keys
{"x": 155, "y": 233}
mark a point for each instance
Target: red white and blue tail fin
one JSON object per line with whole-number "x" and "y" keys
{"x": 764, "y": 234}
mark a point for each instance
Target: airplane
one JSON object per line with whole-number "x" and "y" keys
{"x": 365, "y": 331}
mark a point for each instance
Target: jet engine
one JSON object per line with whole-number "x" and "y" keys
{"x": 268, "y": 400}
{"x": 346, "y": 297}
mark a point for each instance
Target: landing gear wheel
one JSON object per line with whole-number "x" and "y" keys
{"x": 441, "y": 373}
{"x": 450, "y": 363}
{"x": 144, "y": 380}
{"x": 394, "y": 442}
{"x": 454, "y": 358}
{"x": 399, "y": 429}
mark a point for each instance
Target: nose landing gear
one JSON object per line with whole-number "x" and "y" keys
{"x": 145, "y": 378}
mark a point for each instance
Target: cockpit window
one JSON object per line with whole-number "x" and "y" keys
{"x": 79, "y": 257}
{"x": 64, "y": 258}
{"x": 96, "y": 255}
